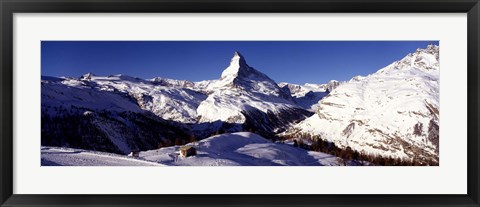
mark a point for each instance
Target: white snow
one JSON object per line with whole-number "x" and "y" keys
{"x": 228, "y": 105}
{"x": 240, "y": 149}
{"x": 124, "y": 93}
{"x": 57, "y": 156}
{"x": 236, "y": 149}
{"x": 232, "y": 70}
{"x": 72, "y": 92}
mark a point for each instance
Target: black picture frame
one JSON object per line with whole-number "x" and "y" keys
{"x": 9, "y": 7}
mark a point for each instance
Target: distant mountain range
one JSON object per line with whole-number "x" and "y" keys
{"x": 393, "y": 112}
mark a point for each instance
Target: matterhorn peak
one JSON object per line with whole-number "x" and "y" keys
{"x": 238, "y": 59}
{"x": 240, "y": 75}
{"x": 238, "y": 65}
{"x": 237, "y": 54}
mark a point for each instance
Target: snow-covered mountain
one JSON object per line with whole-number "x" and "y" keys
{"x": 117, "y": 109}
{"x": 308, "y": 95}
{"x": 173, "y": 83}
{"x": 297, "y": 90}
{"x": 245, "y": 96}
{"x": 393, "y": 112}
{"x": 167, "y": 98}
{"x": 103, "y": 114}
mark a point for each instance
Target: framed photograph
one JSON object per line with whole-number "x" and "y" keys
{"x": 239, "y": 103}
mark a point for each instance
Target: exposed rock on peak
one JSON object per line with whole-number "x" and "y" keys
{"x": 425, "y": 59}
{"x": 87, "y": 76}
{"x": 332, "y": 85}
{"x": 238, "y": 66}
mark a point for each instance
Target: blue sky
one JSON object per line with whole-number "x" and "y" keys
{"x": 283, "y": 61}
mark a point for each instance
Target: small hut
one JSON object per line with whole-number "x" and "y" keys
{"x": 134, "y": 154}
{"x": 187, "y": 151}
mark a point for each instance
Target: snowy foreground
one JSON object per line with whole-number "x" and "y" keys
{"x": 237, "y": 149}
{"x": 59, "y": 156}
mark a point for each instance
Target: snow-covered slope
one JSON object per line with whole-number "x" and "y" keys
{"x": 242, "y": 148}
{"x": 58, "y": 156}
{"x": 393, "y": 112}
{"x": 244, "y": 95}
{"x": 237, "y": 149}
{"x": 308, "y": 95}
{"x": 57, "y": 92}
{"x": 167, "y": 98}
{"x": 98, "y": 113}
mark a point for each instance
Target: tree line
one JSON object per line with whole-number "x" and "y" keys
{"x": 351, "y": 156}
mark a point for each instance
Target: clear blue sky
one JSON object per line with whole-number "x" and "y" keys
{"x": 283, "y": 61}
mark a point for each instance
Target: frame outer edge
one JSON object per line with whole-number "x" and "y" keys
{"x": 473, "y": 94}
{"x": 2, "y": 167}
{"x": 6, "y": 104}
